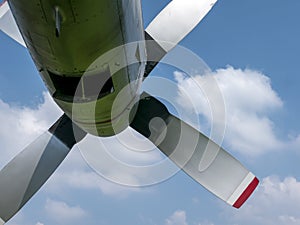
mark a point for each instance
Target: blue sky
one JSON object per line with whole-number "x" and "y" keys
{"x": 243, "y": 42}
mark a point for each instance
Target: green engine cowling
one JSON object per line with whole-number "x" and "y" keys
{"x": 78, "y": 48}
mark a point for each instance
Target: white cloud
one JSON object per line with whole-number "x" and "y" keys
{"x": 63, "y": 213}
{"x": 76, "y": 174}
{"x": 275, "y": 202}
{"x": 249, "y": 99}
{"x": 21, "y": 125}
{"x": 289, "y": 220}
{"x": 86, "y": 180}
{"x": 177, "y": 218}
{"x": 39, "y": 223}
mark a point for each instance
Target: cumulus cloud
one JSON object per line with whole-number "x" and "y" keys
{"x": 177, "y": 218}
{"x": 125, "y": 161}
{"x": 110, "y": 178}
{"x": 64, "y": 213}
{"x": 85, "y": 179}
{"x": 21, "y": 125}
{"x": 248, "y": 99}
{"x": 276, "y": 202}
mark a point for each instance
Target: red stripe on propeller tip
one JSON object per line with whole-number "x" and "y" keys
{"x": 246, "y": 194}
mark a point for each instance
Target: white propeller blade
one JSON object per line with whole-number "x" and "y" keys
{"x": 199, "y": 157}
{"x": 171, "y": 25}
{"x": 8, "y": 24}
{"x": 177, "y": 20}
{"x": 21, "y": 178}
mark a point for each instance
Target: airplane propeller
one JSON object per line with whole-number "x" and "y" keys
{"x": 202, "y": 159}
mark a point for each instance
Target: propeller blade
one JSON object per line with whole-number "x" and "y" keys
{"x": 171, "y": 25}
{"x": 177, "y": 20}
{"x": 21, "y": 178}
{"x": 8, "y": 24}
{"x": 197, "y": 155}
